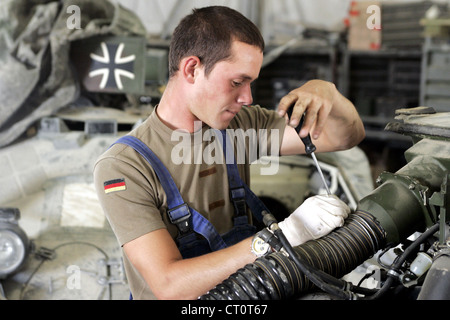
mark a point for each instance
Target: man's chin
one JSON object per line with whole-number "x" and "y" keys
{"x": 223, "y": 126}
{"x": 220, "y": 125}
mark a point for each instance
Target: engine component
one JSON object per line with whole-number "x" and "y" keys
{"x": 437, "y": 283}
{"x": 276, "y": 276}
{"x": 404, "y": 203}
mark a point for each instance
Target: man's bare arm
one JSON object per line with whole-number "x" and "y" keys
{"x": 170, "y": 277}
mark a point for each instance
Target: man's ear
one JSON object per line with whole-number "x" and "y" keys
{"x": 190, "y": 67}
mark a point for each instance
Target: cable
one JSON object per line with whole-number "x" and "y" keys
{"x": 26, "y": 283}
{"x": 310, "y": 273}
{"x": 394, "y": 272}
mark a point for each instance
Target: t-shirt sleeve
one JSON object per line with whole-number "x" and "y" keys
{"x": 127, "y": 199}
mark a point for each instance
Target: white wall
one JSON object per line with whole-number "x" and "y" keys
{"x": 274, "y": 17}
{"x": 162, "y": 16}
{"x": 277, "y": 19}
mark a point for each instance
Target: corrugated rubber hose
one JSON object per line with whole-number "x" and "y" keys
{"x": 319, "y": 263}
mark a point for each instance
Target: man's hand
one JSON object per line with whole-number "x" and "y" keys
{"x": 330, "y": 118}
{"x": 316, "y": 99}
{"x": 315, "y": 218}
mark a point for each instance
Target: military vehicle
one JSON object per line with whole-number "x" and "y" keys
{"x": 399, "y": 234}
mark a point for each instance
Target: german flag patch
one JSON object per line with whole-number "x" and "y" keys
{"x": 114, "y": 185}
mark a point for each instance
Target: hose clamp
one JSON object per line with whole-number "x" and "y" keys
{"x": 394, "y": 274}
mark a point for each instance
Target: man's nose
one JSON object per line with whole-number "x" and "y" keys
{"x": 245, "y": 95}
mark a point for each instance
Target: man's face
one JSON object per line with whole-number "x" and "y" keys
{"x": 221, "y": 95}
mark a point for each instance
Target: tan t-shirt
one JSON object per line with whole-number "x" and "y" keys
{"x": 135, "y": 202}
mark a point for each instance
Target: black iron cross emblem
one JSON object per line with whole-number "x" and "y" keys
{"x": 112, "y": 70}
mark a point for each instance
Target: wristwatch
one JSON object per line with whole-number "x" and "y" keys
{"x": 259, "y": 246}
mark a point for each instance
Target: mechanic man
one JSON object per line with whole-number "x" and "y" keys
{"x": 215, "y": 55}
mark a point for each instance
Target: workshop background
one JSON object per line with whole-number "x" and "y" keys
{"x": 58, "y": 113}
{"x": 379, "y": 69}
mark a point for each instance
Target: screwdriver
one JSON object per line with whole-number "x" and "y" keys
{"x": 310, "y": 148}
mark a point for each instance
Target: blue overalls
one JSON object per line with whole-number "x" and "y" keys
{"x": 191, "y": 223}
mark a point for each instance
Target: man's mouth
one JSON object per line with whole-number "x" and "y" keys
{"x": 234, "y": 112}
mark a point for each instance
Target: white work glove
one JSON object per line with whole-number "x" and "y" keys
{"x": 314, "y": 218}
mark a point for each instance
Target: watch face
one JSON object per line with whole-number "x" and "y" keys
{"x": 259, "y": 246}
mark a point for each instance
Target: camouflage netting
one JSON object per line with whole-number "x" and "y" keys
{"x": 36, "y": 79}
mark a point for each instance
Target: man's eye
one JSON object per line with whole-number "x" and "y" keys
{"x": 236, "y": 83}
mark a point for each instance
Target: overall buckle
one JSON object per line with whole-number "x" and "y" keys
{"x": 180, "y": 216}
{"x": 238, "y": 199}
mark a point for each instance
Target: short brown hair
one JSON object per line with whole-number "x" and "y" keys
{"x": 208, "y": 33}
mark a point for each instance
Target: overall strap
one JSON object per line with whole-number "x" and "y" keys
{"x": 240, "y": 192}
{"x": 179, "y": 212}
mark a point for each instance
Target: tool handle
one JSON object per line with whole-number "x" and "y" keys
{"x": 309, "y": 146}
